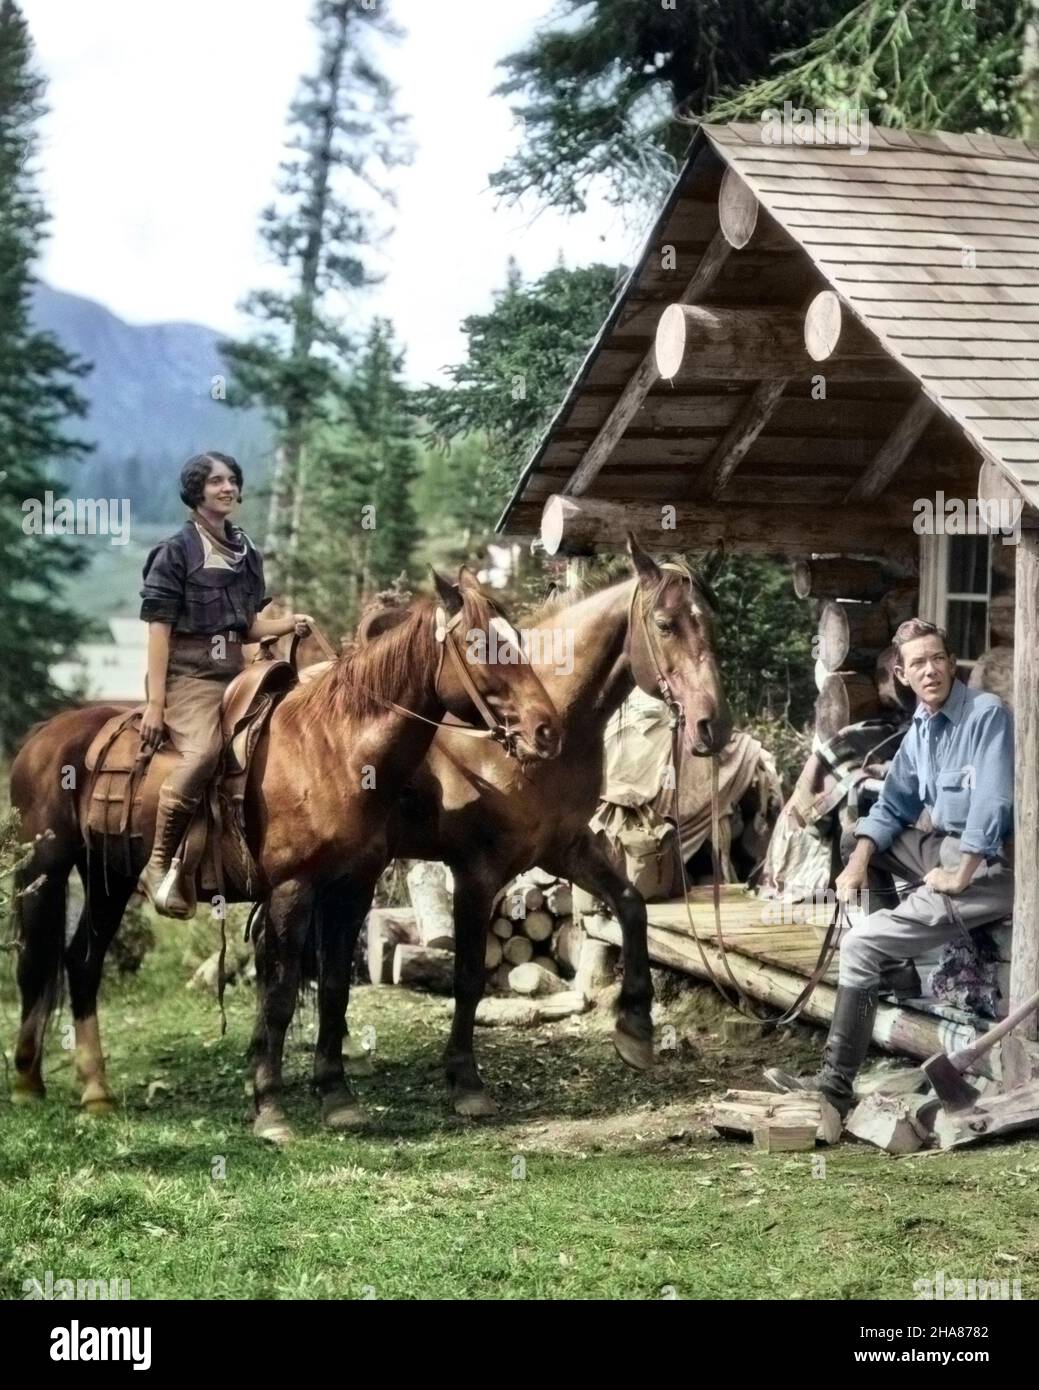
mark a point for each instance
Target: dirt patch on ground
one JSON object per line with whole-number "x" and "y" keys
{"x": 666, "y": 1127}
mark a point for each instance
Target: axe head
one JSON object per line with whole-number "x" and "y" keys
{"x": 949, "y": 1085}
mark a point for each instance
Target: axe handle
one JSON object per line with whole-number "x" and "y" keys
{"x": 961, "y": 1060}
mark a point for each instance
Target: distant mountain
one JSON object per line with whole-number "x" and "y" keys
{"x": 151, "y": 404}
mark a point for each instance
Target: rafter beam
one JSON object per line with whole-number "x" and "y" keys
{"x": 894, "y": 451}
{"x": 741, "y": 434}
{"x": 645, "y": 378}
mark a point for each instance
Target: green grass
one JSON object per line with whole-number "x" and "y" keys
{"x": 624, "y": 1195}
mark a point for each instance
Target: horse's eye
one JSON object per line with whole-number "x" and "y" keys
{"x": 664, "y": 624}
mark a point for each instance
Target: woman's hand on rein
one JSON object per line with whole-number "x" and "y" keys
{"x": 300, "y": 624}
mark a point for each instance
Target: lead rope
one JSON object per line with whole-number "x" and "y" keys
{"x": 742, "y": 1003}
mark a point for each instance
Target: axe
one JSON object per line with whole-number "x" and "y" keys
{"x": 945, "y": 1072}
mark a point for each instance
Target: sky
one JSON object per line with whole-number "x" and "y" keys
{"x": 167, "y": 125}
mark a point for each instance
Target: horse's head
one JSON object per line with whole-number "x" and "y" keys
{"x": 492, "y": 670}
{"x": 670, "y": 646}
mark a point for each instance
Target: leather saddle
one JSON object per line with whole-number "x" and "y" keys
{"x": 118, "y": 813}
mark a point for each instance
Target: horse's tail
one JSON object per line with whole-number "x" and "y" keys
{"x": 38, "y": 914}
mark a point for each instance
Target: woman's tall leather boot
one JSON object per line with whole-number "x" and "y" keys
{"x": 160, "y": 880}
{"x": 846, "y": 1046}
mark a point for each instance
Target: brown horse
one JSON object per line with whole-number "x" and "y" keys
{"x": 323, "y": 782}
{"x": 469, "y": 807}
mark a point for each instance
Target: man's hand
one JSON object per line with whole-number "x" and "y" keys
{"x": 152, "y": 725}
{"x": 300, "y": 624}
{"x": 852, "y": 879}
{"x": 949, "y": 881}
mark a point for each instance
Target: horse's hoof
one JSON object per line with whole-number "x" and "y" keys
{"x": 273, "y": 1129}
{"x": 98, "y": 1106}
{"x": 475, "y": 1105}
{"x": 342, "y": 1113}
{"x": 636, "y": 1052}
{"x": 22, "y": 1094}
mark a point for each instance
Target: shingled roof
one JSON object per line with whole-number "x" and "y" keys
{"x": 930, "y": 241}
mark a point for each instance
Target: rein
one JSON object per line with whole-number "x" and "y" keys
{"x": 496, "y": 731}
{"x": 677, "y": 726}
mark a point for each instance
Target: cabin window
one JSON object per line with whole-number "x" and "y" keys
{"x": 964, "y": 590}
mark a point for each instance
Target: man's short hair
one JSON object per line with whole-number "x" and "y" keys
{"x": 913, "y": 628}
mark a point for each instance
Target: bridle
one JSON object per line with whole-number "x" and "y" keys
{"x": 496, "y": 731}
{"x": 677, "y": 713}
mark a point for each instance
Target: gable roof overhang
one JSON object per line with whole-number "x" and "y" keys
{"x": 930, "y": 244}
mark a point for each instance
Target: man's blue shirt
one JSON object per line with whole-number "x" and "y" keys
{"x": 959, "y": 764}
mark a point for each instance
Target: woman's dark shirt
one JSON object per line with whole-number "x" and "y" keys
{"x": 200, "y": 598}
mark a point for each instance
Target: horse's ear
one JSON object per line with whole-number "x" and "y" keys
{"x": 646, "y": 567}
{"x": 450, "y": 594}
{"x": 467, "y": 579}
{"x": 377, "y": 621}
{"x": 711, "y": 566}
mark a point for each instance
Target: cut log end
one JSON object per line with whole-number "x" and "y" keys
{"x": 823, "y": 326}
{"x": 669, "y": 344}
{"x": 737, "y": 210}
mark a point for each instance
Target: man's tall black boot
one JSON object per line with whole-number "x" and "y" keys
{"x": 846, "y": 1046}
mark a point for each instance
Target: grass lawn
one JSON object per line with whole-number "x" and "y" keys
{"x": 595, "y": 1182}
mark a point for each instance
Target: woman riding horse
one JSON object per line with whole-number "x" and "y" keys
{"x": 203, "y": 592}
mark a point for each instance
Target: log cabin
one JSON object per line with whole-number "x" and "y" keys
{"x": 827, "y": 353}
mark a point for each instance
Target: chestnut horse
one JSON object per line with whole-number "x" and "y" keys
{"x": 322, "y": 785}
{"x": 469, "y": 807}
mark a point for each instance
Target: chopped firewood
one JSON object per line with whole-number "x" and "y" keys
{"x": 502, "y": 927}
{"x": 597, "y": 967}
{"x": 547, "y": 963}
{"x": 527, "y": 1013}
{"x": 567, "y": 941}
{"x": 1004, "y": 1112}
{"x": 387, "y": 927}
{"x": 432, "y": 901}
{"x": 534, "y": 979}
{"x": 740, "y": 1112}
{"x": 889, "y": 1122}
{"x": 540, "y": 877}
{"x": 784, "y": 1138}
{"x": 424, "y": 967}
{"x": 521, "y": 899}
{"x": 500, "y": 977}
{"x": 518, "y": 950}
{"x": 560, "y": 900}
{"x": 538, "y": 925}
{"x": 492, "y": 952}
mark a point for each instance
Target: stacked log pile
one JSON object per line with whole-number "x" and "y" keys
{"x": 535, "y": 951}
{"x": 861, "y": 603}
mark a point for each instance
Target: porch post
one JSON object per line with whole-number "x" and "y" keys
{"x": 1024, "y": 969}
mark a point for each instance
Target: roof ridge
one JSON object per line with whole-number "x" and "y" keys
{"x": 975, "y": 144}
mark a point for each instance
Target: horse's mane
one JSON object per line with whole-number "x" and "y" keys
{"x": 361, "y": 678}
{"x": 585, "y": 588}
{"x": 381, "y": 668}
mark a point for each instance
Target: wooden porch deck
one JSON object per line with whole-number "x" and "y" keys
{"x": 749, "y": 926}
{"x": 771, "y": 961}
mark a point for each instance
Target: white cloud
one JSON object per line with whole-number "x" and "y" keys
{"x": 167, "y": 126}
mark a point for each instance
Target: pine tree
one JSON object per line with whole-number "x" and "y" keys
{"x": 344, "y": 131}
{"x": 519, "y": 361}
{"x": 359, "y": 528}
{"x": 37, "y": 397}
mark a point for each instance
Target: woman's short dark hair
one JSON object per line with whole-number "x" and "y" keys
{"x": 195, "y": 474}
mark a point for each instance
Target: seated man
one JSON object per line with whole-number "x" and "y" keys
{"x": 957, "y": 762}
